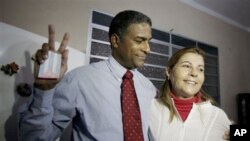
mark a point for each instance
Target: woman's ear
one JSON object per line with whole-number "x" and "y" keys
{"x": 168, "y": 72}
{"x": 115, "y": 40}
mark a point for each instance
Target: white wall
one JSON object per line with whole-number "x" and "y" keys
{"x": 18, "y": 45}
{"x": 73, "y": 16}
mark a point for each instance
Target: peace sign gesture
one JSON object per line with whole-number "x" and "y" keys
{"x": 42, "y": 54}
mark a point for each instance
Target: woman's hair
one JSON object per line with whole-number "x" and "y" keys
{"x": 165, "y": 97}
{"x": 124, "y": 19}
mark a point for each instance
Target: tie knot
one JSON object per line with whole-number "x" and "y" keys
{"x": 128, "y": 75}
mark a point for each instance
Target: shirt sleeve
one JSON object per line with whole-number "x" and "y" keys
{"x": 47, "y": 115}
{"x": 220, "y": 126}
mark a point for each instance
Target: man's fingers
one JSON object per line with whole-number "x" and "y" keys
{"x": 64, "y": 43}
{"x": 51, "y": 37}
{"x": 64, "y": 64}
{"x": 39, "y": 57}
{"x": 45, "y": 50}
{"x": 42, "y": 54}
{"x": 65, "y": 54}
{"x": 226, "y": 135}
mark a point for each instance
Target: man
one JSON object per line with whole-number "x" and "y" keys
{"x": 92, "y": 96}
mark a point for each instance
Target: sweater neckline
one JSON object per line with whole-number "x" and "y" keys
{"x": 184, "y": 106}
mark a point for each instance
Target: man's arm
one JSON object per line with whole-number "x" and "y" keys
{"x": 37, "y": 121}
{"x": 49, "y": 113}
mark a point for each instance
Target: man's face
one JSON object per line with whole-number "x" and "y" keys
{"x": 187, "y": 76}
{"x": 131, "y": 50}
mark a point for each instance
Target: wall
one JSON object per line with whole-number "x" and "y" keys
{"x": 73, "y": 16}
{"x": 18, "y": 45}
{"x": 1, "y": 10}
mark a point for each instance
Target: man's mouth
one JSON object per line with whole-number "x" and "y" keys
{"x": 142, "y": 57}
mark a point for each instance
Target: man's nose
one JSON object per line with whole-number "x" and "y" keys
{"x": 146, "y": 47}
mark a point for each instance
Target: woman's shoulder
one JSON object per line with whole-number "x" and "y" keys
{"x": 221, "y": 113}
{"x": 158, "y": 108}
{"x": 157, "y": 104}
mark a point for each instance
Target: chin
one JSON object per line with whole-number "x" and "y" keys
{"x": 191, "y": 93}
{"x": 140, "y": 64}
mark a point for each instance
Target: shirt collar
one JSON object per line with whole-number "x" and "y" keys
{"x": 116, "y": 68}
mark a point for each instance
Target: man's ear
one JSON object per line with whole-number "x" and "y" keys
{"x": 115, "y": 40}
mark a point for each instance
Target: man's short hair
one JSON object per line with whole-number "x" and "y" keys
{"x": 124, "y": 19}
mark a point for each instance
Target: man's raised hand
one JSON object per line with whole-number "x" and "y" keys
{"x": 42, "y": 54}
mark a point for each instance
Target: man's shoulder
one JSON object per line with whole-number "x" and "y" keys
{"x": 143, "y": 78}
{"x": 140, "y": 75}
{"x": 93, "y": 66}
{"x": 88, "y": 69}
{"x": 145, "y": 83}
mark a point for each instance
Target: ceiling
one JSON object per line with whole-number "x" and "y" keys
{"x": 234, "y": 12}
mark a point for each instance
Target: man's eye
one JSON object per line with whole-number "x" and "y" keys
{"x": 138, "y": 41}
{"x": 201, "y": 70}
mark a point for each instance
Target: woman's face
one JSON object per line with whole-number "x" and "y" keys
{"x": 187, "y": 76}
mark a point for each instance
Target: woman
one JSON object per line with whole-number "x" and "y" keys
{"x": 183, "y": 111}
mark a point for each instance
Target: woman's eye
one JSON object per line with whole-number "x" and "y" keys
{"x": 201, "y": 70}
{"x": 186, "y": 66}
